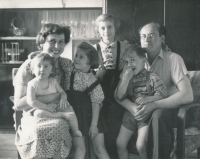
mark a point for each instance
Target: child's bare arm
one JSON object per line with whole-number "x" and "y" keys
{"x": 147, "y": 99}
{"x": 126, "y": 77}
{"x": 95, "y": 117}
{"x": 33, "y": 102}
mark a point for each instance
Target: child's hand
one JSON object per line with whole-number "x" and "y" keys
{"x": 51, "y": 107}
{"x": 141, "y": 100}
{"x": 63, "y": 103}
{"x": 93, "y": 131}
{"x": 128, "y": 73}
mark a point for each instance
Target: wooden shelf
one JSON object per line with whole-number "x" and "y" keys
{"x": 17, "y": 38}
{"x": 34, "y": 38}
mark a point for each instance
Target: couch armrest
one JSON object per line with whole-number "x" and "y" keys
{"x": 181, "y": 128}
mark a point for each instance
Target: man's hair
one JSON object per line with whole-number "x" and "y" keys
{"x": 161, "y": 29}
{"x": 51, "y": 28}
{"x": 42, "y": 57}
{"x": 107, "y": 17}
{"x": 91, "y": 53}
{"x": 134, "y": 47}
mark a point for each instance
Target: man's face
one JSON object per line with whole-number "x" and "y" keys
{"x": 150, "y": 39}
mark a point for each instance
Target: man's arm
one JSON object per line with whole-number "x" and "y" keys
{"x": 183, "y": 96}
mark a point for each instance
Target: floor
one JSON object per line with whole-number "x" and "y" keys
{"x": 8, "y": 149}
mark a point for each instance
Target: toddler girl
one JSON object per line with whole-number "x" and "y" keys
{"x": 43, "y": 84}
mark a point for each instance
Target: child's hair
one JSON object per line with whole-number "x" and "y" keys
{"x": 91, "y": 53}
{"x": 42, "y": 57}
{"x": 107, "y": 17}
{"x": 139, "y": 51}
{"x": 51, "y": 28}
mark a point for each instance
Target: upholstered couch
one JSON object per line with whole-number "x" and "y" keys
{"x": 188, "y": 140}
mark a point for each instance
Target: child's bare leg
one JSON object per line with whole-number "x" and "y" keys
{"x": 122, "y": 142}
{"x": 79, "y": 147}
{"x": 99, "y": 146}
{"x": 38, "y": 113}
{"x": 141, "y": 142}
{"x": 72, "y": 119}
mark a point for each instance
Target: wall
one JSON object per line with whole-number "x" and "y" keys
{"x": 50, "y": 3}
{"x": 181, "y": 18}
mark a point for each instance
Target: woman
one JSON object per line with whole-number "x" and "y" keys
{"x": 44, "y": 137}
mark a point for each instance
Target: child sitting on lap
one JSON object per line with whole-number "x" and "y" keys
{"x": 42, "y": 84}
{"x": 141, "y": 87}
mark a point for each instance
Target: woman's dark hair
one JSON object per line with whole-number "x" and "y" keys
{"x": 139, "y": 51}
{"x": 91, "y": 53}
{"x": 42, "y": 57}
{"x": 51, "y": 28}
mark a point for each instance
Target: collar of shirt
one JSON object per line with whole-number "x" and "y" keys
{"x": 104, "y": 45}
{"x": 141, "y": 74}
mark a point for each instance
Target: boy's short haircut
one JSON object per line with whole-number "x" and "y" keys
{"x": 134, "y": 47}
{"x": 51, "y": 28}
{"x": 91, "y": 53}
{"x": 107, "y": 17}
{"x": 42, "y": 57}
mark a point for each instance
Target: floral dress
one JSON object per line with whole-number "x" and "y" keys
{"x": 43, "y": 137}
{"x": 83, "y": 90}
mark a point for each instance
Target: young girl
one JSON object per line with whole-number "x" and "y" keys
{"x": 141, "y": 87}
{"x": 111, "y": 63}
{"x": 86, "y": 96}
{"x": 43, "y": 84}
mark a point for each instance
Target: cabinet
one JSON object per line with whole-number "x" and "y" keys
{"x": 80, "y": 20}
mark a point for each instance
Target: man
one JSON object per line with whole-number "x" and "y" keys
{"x": 171, "y": 69}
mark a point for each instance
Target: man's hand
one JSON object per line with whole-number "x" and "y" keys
{"x": 144, "y": 111}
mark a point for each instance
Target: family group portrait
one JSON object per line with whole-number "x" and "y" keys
{"x": 99, "y": 79}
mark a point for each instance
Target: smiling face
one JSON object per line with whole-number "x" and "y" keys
{"x": 54, "y": 45}
{"x": 150, "y": 39}
{"x": 81, "y": 61}
{"x": 134, "y": 61}
{"x": 42, "y": 69}
{"x": 106, "y": 30}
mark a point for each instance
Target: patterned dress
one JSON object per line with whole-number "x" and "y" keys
{"x": 43, "y": 137}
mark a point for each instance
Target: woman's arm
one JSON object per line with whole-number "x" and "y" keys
{"x": 183, "y": 96}
{"x": 32, "y": 101}
{"x": 63, "y": 96}
{"x": 20, "y": 99}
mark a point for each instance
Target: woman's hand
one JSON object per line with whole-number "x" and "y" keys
{"x": 93, "y": 131}
{"x": 144, "y": 111}
{"x": 64, "y": 103}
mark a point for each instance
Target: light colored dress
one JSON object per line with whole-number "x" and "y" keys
{"x": 43, "y": 137}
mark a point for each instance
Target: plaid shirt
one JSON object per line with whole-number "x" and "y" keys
{"x": 137, "y": 86}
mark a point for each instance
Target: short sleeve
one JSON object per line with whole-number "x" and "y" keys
{"x": 96, "y": 95}
{"x": 24, "y": 74}
{"x": 178, "y": 68}
{"x": 159, "y": 88}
